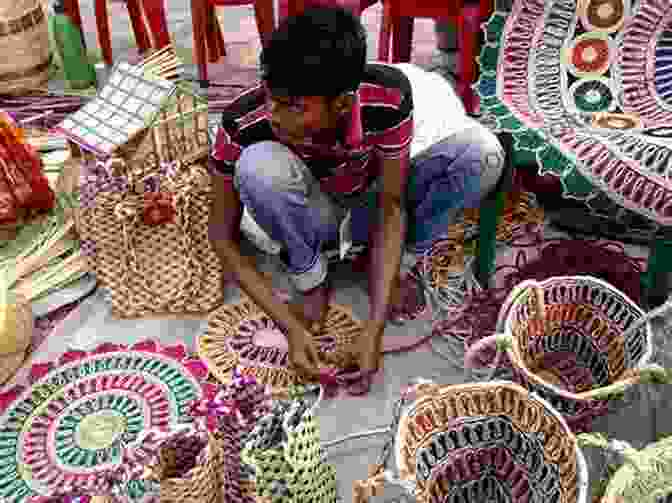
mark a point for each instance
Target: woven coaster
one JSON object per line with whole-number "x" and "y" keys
{"x": 488, "y": 442}
{"x": 67, "y": 426}
{"x": 242, "y": 335}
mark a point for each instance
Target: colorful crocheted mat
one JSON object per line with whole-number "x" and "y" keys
{"x": 67, "y": 426}
{"x": 242, "y": 336}
{"x": 585, "y": 87}
{"x": 488, "y": 442}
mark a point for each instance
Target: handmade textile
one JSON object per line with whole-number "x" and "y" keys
{"x": 24, "y": 44}
{"x": 68, "y": 425}
{"x": 232, "y": 412}
{"x": 641, "y": 475}
{"x": 565, "y": 341}
{"x": 289, "y": 462}
{"x": 23, "y": 185}
{"x": 151, "y": 265}
{"x": 242, "y": 336}
{"x": 486, "y": 442}
{"x": 584, "y": 87}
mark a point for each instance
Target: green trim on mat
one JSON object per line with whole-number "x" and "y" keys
{"x": 528, "y": 144}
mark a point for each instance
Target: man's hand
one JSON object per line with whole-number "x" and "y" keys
{"x": 303, "y": 357}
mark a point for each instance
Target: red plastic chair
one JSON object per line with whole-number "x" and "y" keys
{"x": 295, "y": 7}
{"x": 208, "y": 38}
{"x": 102, "y": 22}
{"x": 397, "y": 24}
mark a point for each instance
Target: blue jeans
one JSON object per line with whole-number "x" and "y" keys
{"x": 287, "y": 208}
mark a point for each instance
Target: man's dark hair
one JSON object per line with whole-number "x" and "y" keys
{"x": 321, "y": 52}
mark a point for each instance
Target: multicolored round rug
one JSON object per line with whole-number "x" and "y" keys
{"x": 67, "y": 427}
{"x": 586, "y": 88}
{"x": 242, "y": 336}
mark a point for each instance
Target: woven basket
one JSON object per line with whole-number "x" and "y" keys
{"x": 242, "y": 336}
{"x": 16, "y": 332}
{"x": 151, "y": 269}
{"x": 486, "y": 442}
{"x": 188, "y": 468}
{"x": 25, "y": 36}
{"x": 641, "y": 476}
{"x": 550, "y": 326}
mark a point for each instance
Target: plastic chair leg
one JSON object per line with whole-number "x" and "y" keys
{"x": 199, "y": 20}
{"x": 103, "y": 26}
{"x": 490, "y": 214}
{"x": 156, "y": 19}
{"x": 138, "y": 23}
{"x": 264, "y": 15}
{"x": 657, "y": 279}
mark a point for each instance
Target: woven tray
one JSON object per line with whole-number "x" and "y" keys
{"x": 476, "y": 440}
{"x": 242, "y": 335}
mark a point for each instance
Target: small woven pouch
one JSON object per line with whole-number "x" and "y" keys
{"x": 186, "y": 463}
{"x": 289, "y": 462}
{"x": 479, "y": 442}
{"x": 641, "y": 476}
{"x": 575, "y": 340}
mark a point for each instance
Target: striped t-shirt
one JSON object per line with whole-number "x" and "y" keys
{"x": 385, "y": 103}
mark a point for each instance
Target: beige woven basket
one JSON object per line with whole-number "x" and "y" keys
{"x": 25, "y": 36}
{"x": 201, "y": 485}
{"x": 169, "y": 268}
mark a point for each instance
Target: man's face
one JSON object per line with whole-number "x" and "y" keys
{"x": 295, "y": 119}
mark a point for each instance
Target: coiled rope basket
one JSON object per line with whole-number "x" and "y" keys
{"x": 575, "y": 340}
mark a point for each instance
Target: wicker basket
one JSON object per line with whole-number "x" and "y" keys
{"x": 25, "y": 36}
{"x": 483, "y": 442}
{"x": 547, "y": 327}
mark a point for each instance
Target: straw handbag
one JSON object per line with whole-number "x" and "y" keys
{"x": 185, "y": 462}
{"x": 25, "y": 36}
{"x": 640, "y": 476}
{"x": 478, "y": 443}
{"x": 575, "y": 340}
{"x": 284, "y": 450}
{"x": 148, "y": 243}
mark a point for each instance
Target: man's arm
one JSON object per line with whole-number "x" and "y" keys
{"x": 224, "y": 225}
{"x": 387, "y": 237}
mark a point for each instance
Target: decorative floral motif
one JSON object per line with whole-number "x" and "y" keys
{"x": 69, "y": 426}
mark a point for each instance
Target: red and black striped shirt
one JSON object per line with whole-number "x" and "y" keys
{"x": 386, "y": 109}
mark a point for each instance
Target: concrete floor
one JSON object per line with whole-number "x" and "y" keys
{"x": 93, "y": 323}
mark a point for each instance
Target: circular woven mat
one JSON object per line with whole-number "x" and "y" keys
{"x": 242, "y": 335}
{"x": 69, "y": 426}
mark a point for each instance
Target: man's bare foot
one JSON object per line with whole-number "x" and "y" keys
{"x": 312, "y": 306}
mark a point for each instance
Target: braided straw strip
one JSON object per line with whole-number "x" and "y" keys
{"x": 433, "y": 411}
{"x": 214, "y": 345}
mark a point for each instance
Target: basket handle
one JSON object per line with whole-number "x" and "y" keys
{"x": 477, "y": 355}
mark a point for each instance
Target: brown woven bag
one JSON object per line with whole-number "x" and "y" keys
{"x": 200, "y": 484}
{"x": 151, "y": 269}
{"x": 23, "y": 35}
